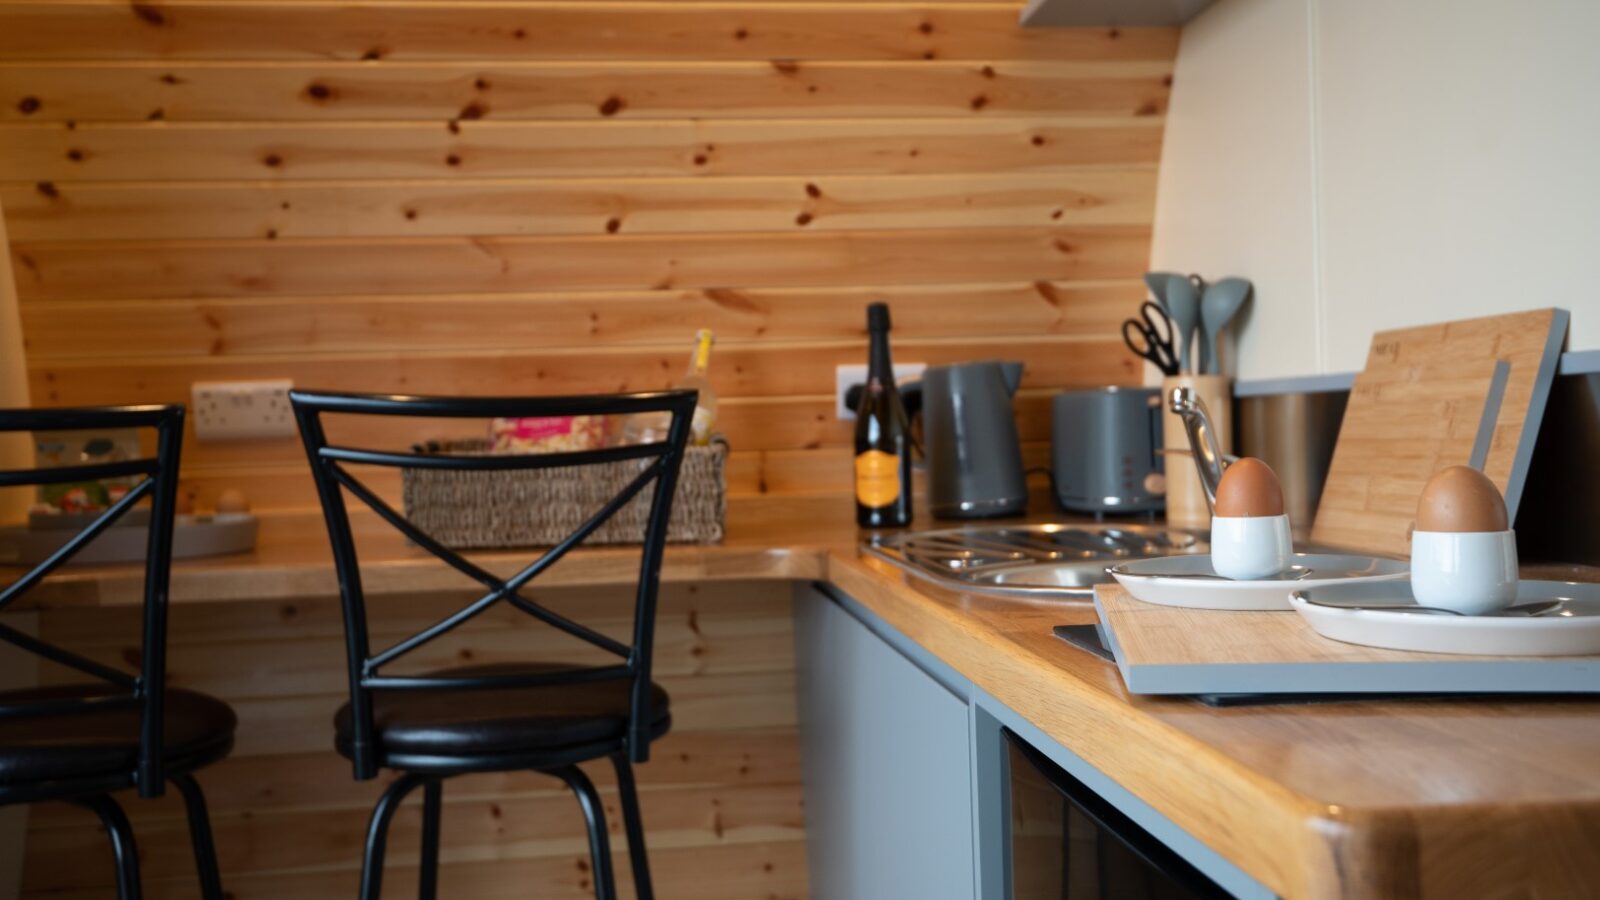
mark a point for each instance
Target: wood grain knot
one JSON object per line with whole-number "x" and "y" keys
{"x": 612, "y": 105}
{"x": 28, "y": 105}
{"x": 47, "y": 188}
{"x": 149, "y": 14}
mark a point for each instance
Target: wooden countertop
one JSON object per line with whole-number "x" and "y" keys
{"x": 1442, "y": 798}
{"x": 783, "y": 538}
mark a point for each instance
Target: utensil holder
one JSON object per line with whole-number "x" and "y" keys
{"x": 1186, "y": 498}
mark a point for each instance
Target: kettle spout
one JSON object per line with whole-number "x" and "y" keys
{"x": 1011, "y": 373}
{"x": 1209, "y": 460}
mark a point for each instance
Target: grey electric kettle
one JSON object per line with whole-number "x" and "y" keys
{"x": 969, "y": 436}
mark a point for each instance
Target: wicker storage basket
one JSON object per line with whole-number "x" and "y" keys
{"x": 540, "y": 507}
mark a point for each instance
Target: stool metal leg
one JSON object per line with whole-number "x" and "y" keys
{"x": 205, "y": 851}
{"x": 635, "y": 827}
{"x": 428, "y": 871}
{"x": 378, "y": 833}
{"x": 122, "y": 845}
{"x": 605, "y": 887}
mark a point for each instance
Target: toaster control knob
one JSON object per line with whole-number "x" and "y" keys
{"x": 1155, "y": 484}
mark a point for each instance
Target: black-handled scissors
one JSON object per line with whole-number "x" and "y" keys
{"x": 1155, "y": 344}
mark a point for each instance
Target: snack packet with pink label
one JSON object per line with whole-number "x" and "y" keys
{"x": 548, "y": 434}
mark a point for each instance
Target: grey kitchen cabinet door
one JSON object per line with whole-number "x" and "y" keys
{"x": 886, "y": 760}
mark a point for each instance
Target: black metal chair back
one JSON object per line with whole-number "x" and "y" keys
{"x": 328, "y": 466}
{"x": 160, "y": 486}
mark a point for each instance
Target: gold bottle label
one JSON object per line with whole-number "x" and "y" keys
{"x": 877, "y": 478}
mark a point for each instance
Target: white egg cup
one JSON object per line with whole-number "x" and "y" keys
{"x": 1470, "y": 572}
{"x": 1251, "y": 548}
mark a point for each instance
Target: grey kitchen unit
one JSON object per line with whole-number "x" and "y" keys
{"x": 909, "y": 782}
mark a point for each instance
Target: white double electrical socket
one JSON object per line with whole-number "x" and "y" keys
{"x": 241, "y": 410}
{"x": 847, "y": 376}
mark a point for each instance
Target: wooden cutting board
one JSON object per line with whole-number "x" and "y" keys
{"x": 1470, "y": 392}
{"x": 1172, "y": 650}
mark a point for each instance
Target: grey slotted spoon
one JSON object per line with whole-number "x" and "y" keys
{"x": 1183, "y": 307}
{"x": 1157, "y": 283}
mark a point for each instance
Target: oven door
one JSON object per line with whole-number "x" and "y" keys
{"x": 1068, "y": 843}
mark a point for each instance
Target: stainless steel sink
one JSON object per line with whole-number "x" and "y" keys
{"x": 1039, "y": 561}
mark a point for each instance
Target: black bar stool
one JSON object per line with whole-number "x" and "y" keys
{"x": 83, "y": 742}
{"x": 544, "y": 716}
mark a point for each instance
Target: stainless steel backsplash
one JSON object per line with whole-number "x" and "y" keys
{"x": 1294, "y": 434}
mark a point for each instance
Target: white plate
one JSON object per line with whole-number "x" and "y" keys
{"x": 1190, "y": 581}
{"x": 1571, "y": 629}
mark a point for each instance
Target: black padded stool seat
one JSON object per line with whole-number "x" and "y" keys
{"x": 102, "y": 737}
{"x": 496, "y": 721}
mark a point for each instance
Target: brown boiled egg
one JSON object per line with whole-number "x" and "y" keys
{"x": 1460, "y": 499}
{"x": 1249, "y": 489}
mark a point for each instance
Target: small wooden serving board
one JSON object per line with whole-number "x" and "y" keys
{"x": 1172, "y": 650}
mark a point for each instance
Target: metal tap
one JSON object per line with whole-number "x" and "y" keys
{"x": 1209, "y": 459}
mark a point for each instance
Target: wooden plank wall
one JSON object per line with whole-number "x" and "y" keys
{"x": 533, "y": 196}
{"x": 528, "y": 196}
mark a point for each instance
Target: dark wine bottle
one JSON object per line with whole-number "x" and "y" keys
{"x": 883, "y": 437}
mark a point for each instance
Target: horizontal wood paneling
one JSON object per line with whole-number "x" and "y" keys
{"x": 455, "y": 91}
{"x": 688, "y": 31}
{"x": 178, "y": 152}
{"x": 754, "y": 370}
{"x": 757, "y": 424}
{"x": 533, "y": 827}
{"x": 251, "y": 325}
{"x": 700, "y": 704}
{"x": 750, "y": 473}
{"x": 151, "y": 269}
{"x": 321, "y": 780}
{"x": 775, "y": 870}
{"x": 156, "y": 210}
{"x": 410, "y": 195}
